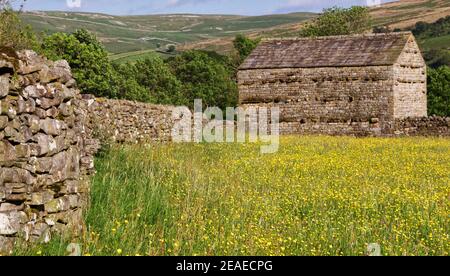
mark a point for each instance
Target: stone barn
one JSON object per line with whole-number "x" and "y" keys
{"x": 349, "y": 85}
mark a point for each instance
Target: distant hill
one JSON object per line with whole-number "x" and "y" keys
{"x": 131, "y": 37}
{"x": 402, "y": 14}
{"x": 122, "y": 34}
{"x": 405, "y": 13}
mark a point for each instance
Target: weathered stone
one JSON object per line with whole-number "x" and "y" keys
{"x": 23, "y": 151}
{"x": 16, "y": 188}
{"x": 7, "y": 207}
{"x": 9, "y": 223}
{"x": 41, "y": 113}
{"x": 3, "y": 122}
{"x": 51, "y": 126}
{"x": 71, "y": 83}
{"x": 31, "y": 121}
{"x": 41, "y": 232}
{"x": 17, "y": 197}
{"x": 74, "y": 187}
{"x": 53, "y": 112}
{"x": 60, "y": 72}
{"x": 65, "y": 165}
{"x": 46, "y": 143}
{"x": 15, "y": 124}
{"x": 41, "y": 198}
{"x": 34, "y": 91}
{"x": 4, "y": 85}
{"x": 4, "y": 64}
{"x": 57, "y": 205}
{"x": 74, "y": 201}
{"x": 16, "y": 175}
{"x": 7, "y": 108}
{"x": 66, "y": 109}
{"x": 30, "y": 62}
{"x": 42, "y": 164}
{"x": 67, "y": 93}
{"x": 46, "y": 103}
{"x": 14, "y": 135}
{"x": 6, "y": 243}
{"x": 27, "y": 106}
{"x": 7, "y": 152}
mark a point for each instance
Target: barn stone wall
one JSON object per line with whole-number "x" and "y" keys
{"x": 410, "y": 90}
{"x": 46, "y": 150}
{"x": 348, "y": 100}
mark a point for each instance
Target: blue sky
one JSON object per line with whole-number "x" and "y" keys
{"x": 243, "y": 7}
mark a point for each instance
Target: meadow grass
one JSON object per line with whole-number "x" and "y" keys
{"x": 316, "y": 196}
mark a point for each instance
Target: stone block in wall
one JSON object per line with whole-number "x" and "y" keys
{"x": 16, "y": 175}
{"x": 7, "y": 152}
{"x": 41, "y": 198}
{"x": 52, "y": 126}
{"x": 10, "y": 222}
{"x": 58, "y": 205}
{"x": 25, "y": 106}
{"x": 3, "y": 122}
{"x": 4, "y": 85}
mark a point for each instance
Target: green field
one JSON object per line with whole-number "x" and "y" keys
{"x": 442, "y": 42}
{"x": 316, "y": 196}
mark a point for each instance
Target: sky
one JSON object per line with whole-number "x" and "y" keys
{"x": 241, "y": 7}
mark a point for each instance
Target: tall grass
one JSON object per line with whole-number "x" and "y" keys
{"x": 317, "y": 196}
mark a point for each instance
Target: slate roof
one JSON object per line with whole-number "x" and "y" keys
{"x": 332, "y": 51}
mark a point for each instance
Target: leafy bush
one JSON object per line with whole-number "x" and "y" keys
{"x": 157, "y": 78}
{"x": 127, "y": 85}
{"x": 244, "y": 46}
{"x": 339, "y": 21}
{"x": 203, "y": 77}
{"x": 439, "y": 28}
{"x": 437, "y": 57}
{"x": 88, "y": 60}
{"x": 439, "y": 91}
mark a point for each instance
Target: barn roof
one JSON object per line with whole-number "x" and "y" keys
{"x": 332, "y": 51}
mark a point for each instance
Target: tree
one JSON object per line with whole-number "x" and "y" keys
{"x": 203, "y": 77}
{"x": 87, "y": 58}
{"x": 339, "y": 21}
{"x": 127, "y": 85}
{"x": 439, "y": 91}
{"x": 158, "y": 80}
{"x": 171, "y": 48}
{"x": 13, "y": 33}
{"x": 244, "y": 46}
{"x": 437, "y": 57}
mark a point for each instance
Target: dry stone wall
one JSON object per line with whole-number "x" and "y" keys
{"x": 46, "y": 150}
{"x": 426, "y": 126}
{"x": 122, "y": 121}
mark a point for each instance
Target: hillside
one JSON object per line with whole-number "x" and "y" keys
{"x": 131, "y": 37}
{"x": 122, "y": 34}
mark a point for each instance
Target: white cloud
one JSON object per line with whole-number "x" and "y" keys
{"x": 73, "y": 4}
